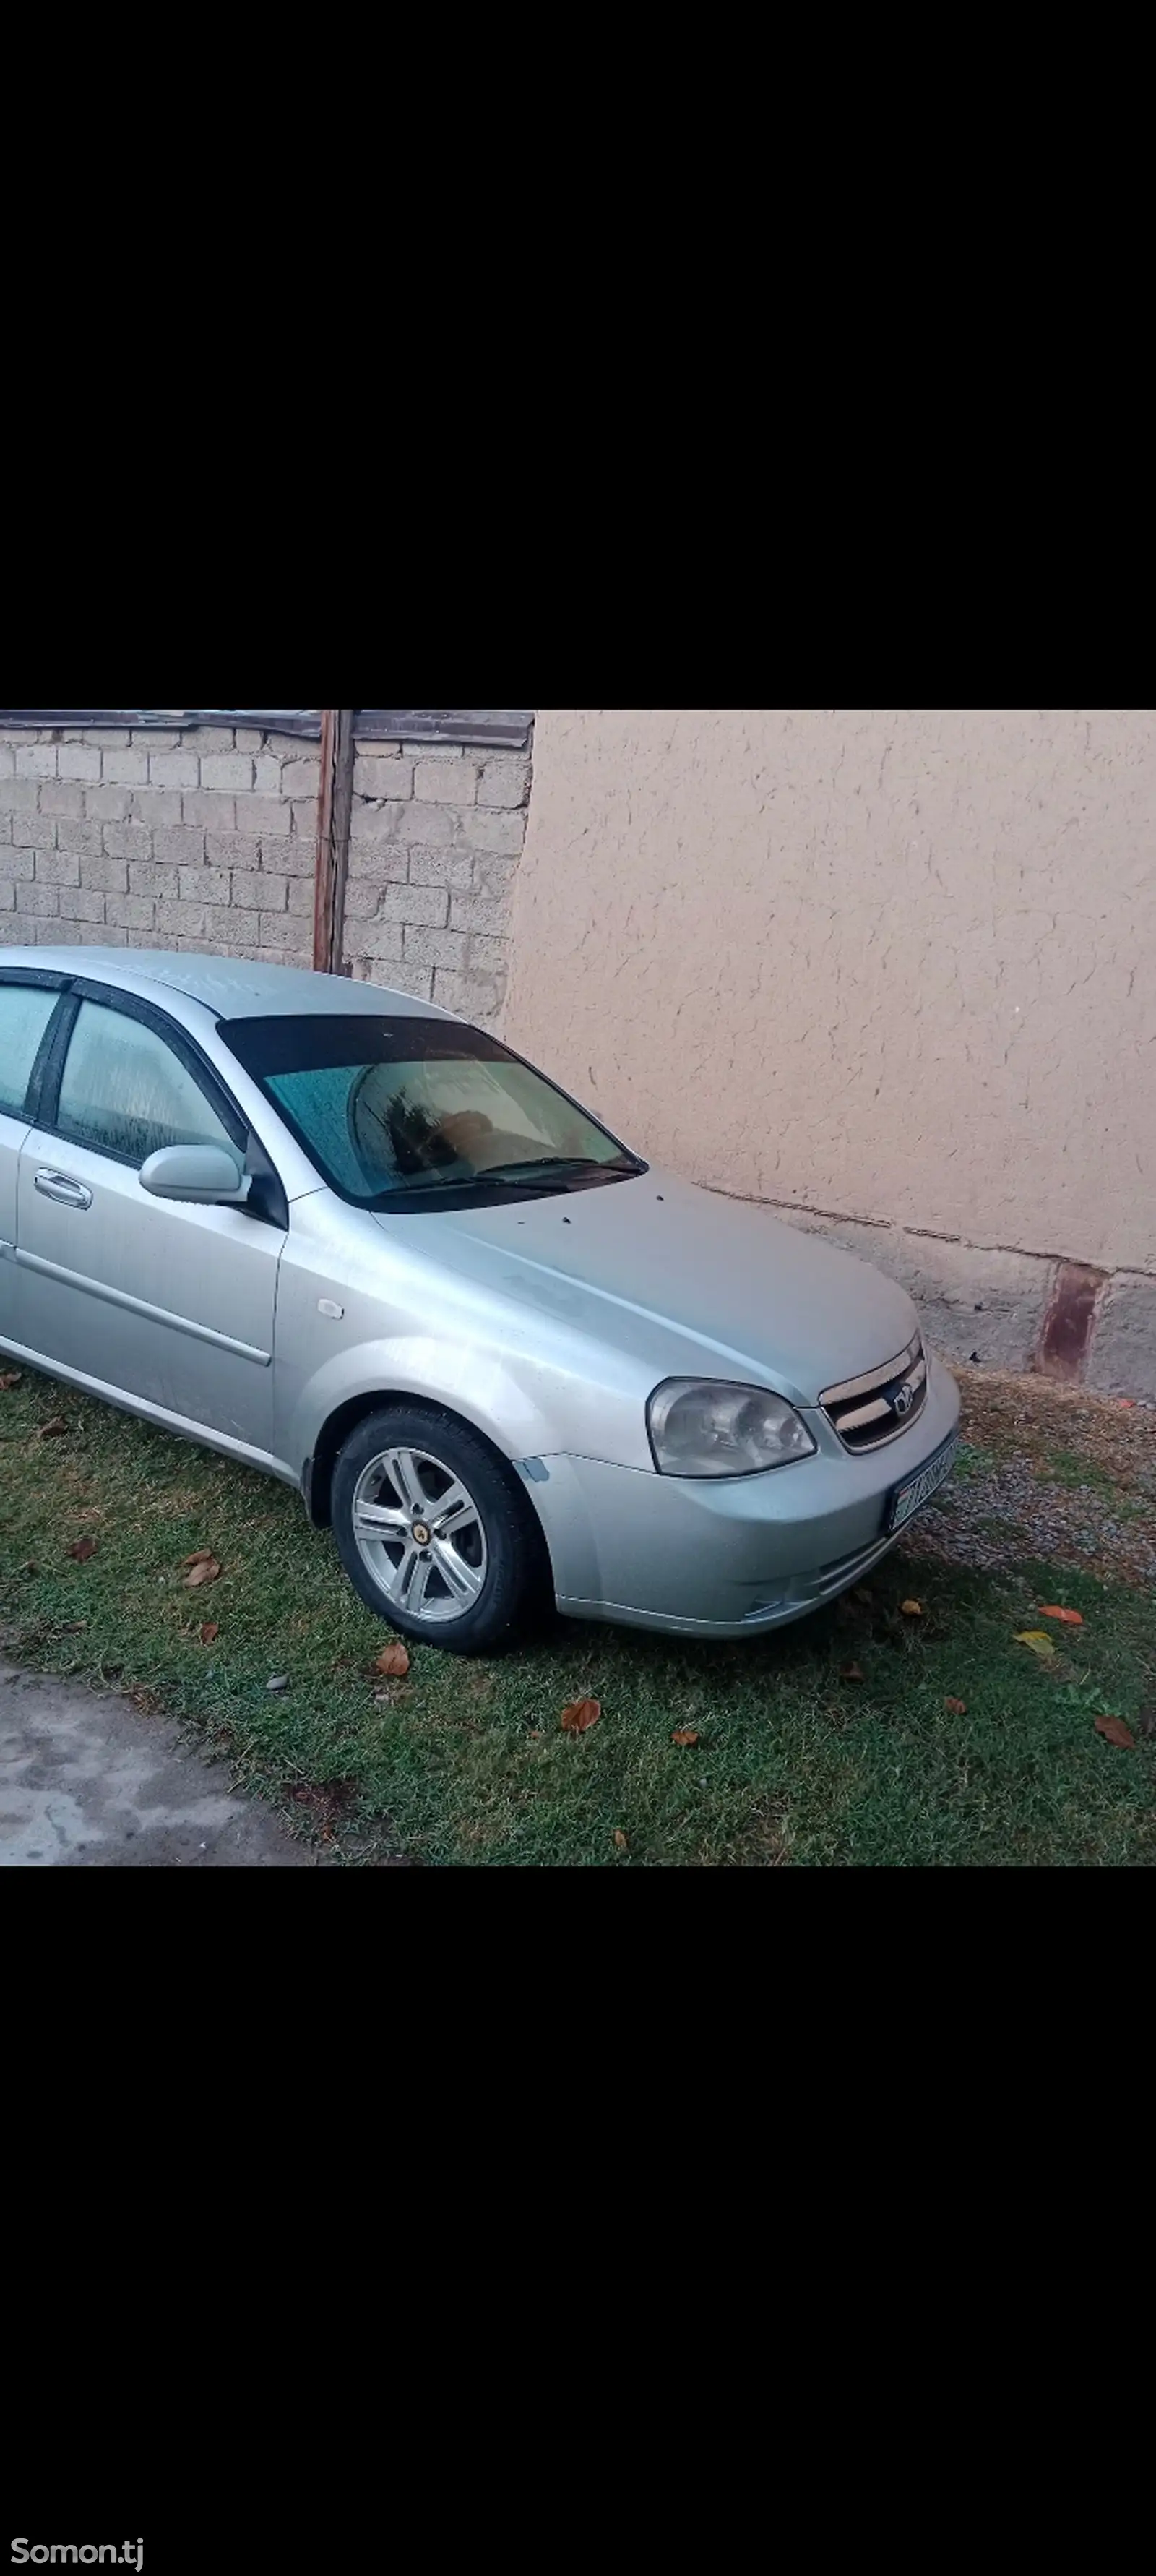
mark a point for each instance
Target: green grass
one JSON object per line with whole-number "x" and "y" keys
{"x": 972, "y": 1461}
{"x": 1067, "y": 1467}
{"x": 467, "y": 1762}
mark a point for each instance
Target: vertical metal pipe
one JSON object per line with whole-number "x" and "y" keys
{"x": 334, "y": 812}
{"x": 342, "y": 818}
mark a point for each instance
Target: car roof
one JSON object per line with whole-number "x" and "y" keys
{"x": 231, "y": 987}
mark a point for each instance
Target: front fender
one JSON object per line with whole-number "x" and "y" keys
{"x": 359, "y": 1314}
{"x": 480, "y": 1386}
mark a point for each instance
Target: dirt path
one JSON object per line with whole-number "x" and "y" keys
{"x": 86, "y": 1782}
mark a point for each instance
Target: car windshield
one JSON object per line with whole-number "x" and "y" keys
{"x": 408, "y": 1111}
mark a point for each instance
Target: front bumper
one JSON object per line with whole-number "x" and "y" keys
{"x": 731, "y": 1557}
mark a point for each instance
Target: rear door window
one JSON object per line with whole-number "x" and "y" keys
{"x": 25, "y": 1011}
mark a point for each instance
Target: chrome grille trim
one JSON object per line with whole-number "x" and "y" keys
{"x": 874, "y": 1377}
{"x": 874, "y": 1411}
{"x": 854, "y": 1423}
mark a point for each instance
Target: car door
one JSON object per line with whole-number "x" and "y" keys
{"x": 27, "y": 1003}
{"x": 167, "y": 1303}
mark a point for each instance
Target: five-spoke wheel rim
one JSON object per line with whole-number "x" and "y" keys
{"x": 419, "y": 1532}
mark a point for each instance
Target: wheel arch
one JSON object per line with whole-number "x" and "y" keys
{"x": 317, "y": 1472}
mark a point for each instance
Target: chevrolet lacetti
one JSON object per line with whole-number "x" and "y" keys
{"x": 347, "y": 1238}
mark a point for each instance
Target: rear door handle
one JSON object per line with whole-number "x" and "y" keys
{"x": 57, "y": 1185}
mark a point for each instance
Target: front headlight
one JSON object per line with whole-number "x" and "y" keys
{"x": 706, "y": 1427}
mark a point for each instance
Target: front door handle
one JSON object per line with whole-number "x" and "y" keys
{"x": 57, "y": 1185}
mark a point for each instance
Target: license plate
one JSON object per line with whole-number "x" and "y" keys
{"x": 903, "y": 1500}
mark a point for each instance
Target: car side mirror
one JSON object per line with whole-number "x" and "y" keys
{"x": 203, "y": 1175}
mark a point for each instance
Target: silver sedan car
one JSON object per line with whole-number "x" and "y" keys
{"x": 349, "y": 1239}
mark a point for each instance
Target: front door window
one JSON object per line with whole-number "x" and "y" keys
{"x": 124, "y": 1092}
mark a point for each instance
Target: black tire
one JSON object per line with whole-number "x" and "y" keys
{"x": 510, "y": 1548}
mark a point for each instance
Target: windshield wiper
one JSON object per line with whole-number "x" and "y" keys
{"x": 543, "y": 1178}
{"x": 462, "y": 1186}
{"x": 523, "y": 1176}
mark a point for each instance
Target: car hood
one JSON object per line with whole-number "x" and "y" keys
{"x": 706, "y": 1284}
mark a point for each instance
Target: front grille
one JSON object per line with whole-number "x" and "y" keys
{"x": 865, "y": 1412}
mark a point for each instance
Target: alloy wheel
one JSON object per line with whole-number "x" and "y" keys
{"x": 420, "y": 1534}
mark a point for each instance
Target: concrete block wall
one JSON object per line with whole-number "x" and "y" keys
{"x": 205, "y": 838}
{"x": 202, "y": 838}
{"x": 435, "y": 839}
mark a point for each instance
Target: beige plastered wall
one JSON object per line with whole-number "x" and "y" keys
{"x": 890, "y": 967}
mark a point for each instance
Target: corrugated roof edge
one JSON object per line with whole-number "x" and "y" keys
{"x": 500, "y": 729}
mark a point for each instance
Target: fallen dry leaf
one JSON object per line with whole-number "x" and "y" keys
{"x": 11, "y": 1377}
{"x": 200, "y": 1556}
{"x": 912, "y": 1609}
{"x": 205, "y": 1570}
{"x": 1035, "y": 1638}
{"x": 850, "y": 1672}
{"x": 1114, "y": 1731}
{"x": 1052, "y": 1610}
{"x": 82, "y": 1549}
{"x": 579, "y": 1714}
{"x": 54, "y": 1430}
{"x": 620, "y": 1841}
{"x": 393, "y": 1659}
{"x": 956, "y": 1707}
{"x": 209, "y": 1632}
{"x": 684, "y": 1735}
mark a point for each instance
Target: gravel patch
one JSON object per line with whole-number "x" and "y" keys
{"x": 1046, "y": 1472}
